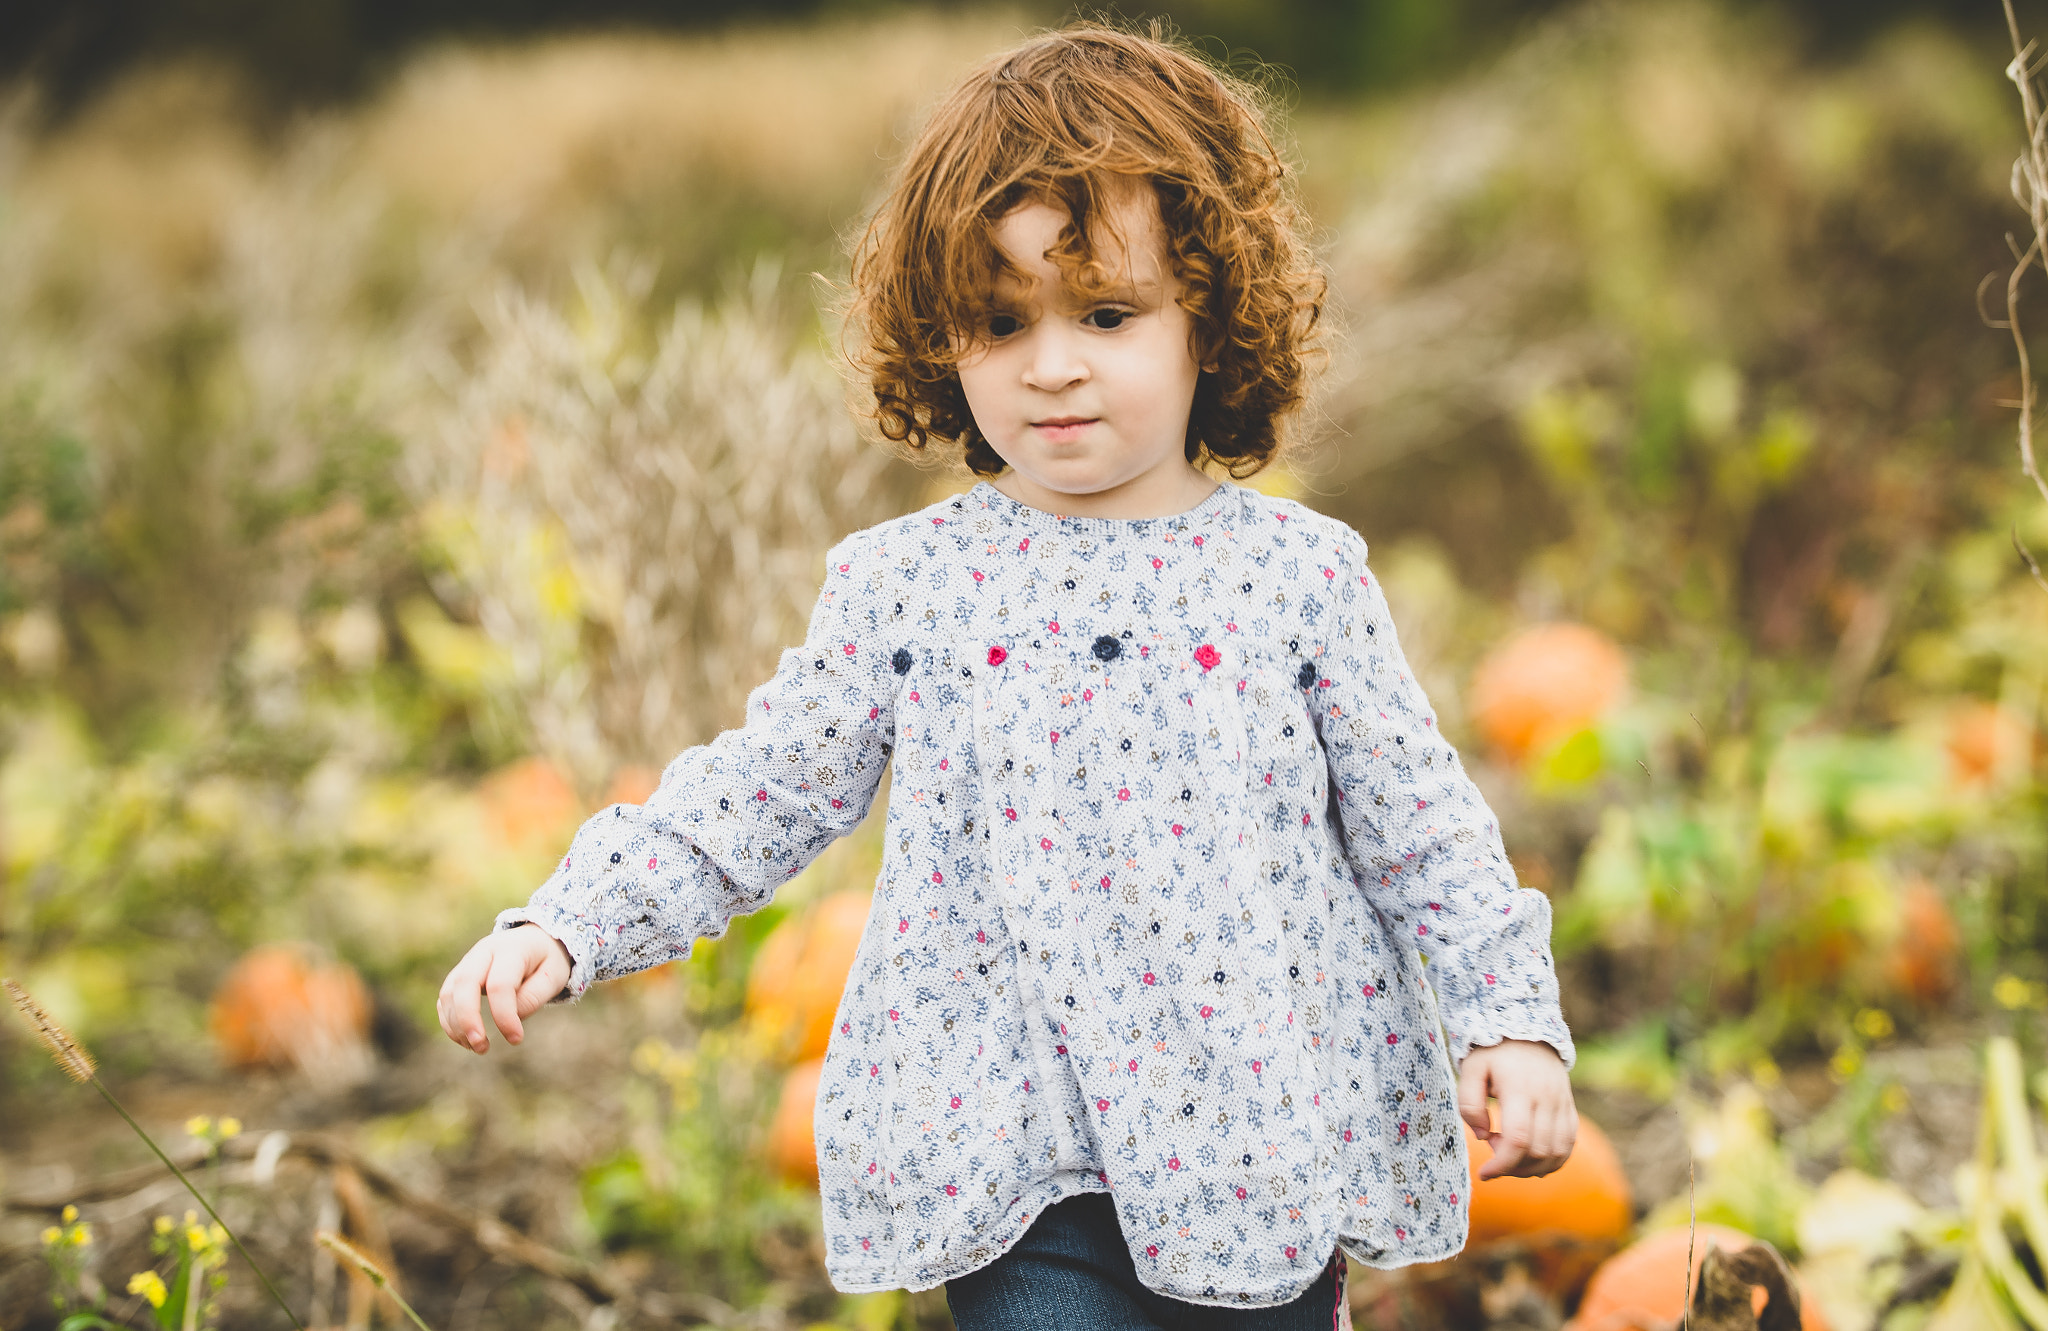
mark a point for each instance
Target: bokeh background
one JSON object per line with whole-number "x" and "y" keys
{"x": 417, "y": 422}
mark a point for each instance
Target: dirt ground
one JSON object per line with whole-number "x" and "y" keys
{"x": 464, "y": 1173}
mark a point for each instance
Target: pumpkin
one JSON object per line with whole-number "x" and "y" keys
{"x": 632, "y": 784}
{"x": 1588, "y": 1196}
{"x": 1922, "y": 963}
{"x": 792, "y": 1150}
{"x": 530, "y": 803}
{"x": 1644, "y": 1284}
{"x": 1986, "y": 743}
{"x": 800, "y": 971}
{"x": 1543, "y": 684}
{"x": 278, "y": 1007}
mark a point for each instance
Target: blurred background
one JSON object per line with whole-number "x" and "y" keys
{"x": 418, "y": 422}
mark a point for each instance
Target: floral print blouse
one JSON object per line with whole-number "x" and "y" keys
{"x": 1184, "y": 897}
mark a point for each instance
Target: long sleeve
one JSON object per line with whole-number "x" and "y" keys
{"x": 1421, "y": 840}
{"x": 736, "y": 818}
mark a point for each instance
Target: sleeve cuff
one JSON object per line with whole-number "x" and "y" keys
{"x": 559, "y": 926}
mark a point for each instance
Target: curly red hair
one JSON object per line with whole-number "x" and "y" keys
{"x": 1073, "y": 118}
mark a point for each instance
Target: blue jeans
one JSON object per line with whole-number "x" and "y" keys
{"x": 1071, "y": 1271}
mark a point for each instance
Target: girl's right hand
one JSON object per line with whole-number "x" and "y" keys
{"x": 520, "y": 969}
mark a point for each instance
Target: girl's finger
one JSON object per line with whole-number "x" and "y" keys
{"x": 1511, "y": 1147}
{"x": 508, "y": 972}
{"x": 461, "y": 1019}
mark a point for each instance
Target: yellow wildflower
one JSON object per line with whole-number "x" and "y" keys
{"x": 2010, "y": 991}
{"x": 1874, "y": 1023}
{"x": 198, "y": 1125}
{"x": 81, "y": 1235}
{"x": 163, "y": 1224}
{"x": 191, "y": 1216}
{"x": 195, "y": 1238}
{"x": 70, "y": 1214}
{"x": 52, "y": 1236}
{"x": 230, "y": 1127}
{"x": 150, "y": 1286}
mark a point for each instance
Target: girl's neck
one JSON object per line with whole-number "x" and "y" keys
{"x": 1165, "y": 493}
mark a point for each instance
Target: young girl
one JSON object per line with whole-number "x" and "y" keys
{"x": 1139, "y": 1032}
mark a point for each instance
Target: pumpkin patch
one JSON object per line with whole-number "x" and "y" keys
{"x": 799, "y": 973}
{"x": 1587, "y": 1197}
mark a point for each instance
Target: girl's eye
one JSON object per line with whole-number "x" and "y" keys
{"x": 1107, "y": 319}
{"x": 1002, "y": 325}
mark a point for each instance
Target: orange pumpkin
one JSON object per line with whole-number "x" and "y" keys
{"x": 632, "y": 784}
{"x": 1588, "y": 1197}
{"x": 1922, "y": 963}
{"x": 800, "y": 971}
{"x": 1644, "y": 1284}
{"x": 1985, "y": 742}
{"x": 792, "y": 1149}
{"x": 531, "y": 803}
{"x": 1544, "y": 683}
{"x": 277, "y": 1007}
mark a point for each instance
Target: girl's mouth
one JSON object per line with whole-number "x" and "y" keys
{"x": 1062, "y": 429}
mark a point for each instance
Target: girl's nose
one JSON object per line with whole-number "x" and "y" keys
{"x": 1055, "y": 362}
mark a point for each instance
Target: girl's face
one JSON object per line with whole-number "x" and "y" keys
{"x": 1088, "y": 402}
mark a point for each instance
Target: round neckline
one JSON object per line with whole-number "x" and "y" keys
{"x": 990, "y": 497}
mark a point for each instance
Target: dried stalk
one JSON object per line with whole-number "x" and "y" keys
{"x": 2030, "y": 191}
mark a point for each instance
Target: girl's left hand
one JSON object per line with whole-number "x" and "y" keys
{"x": 1538, "y": 1120}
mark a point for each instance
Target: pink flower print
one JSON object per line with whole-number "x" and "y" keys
{"x": 874, "y": 1069}
{"x": 1242, "y": 1194}
{"x": 1400, "y": 1233}
{"x": 1123, "y": 792}
{"x": 846, "y": 568}
{"x": 1269, "y": 778}
{"x": 1230, "y": 627}
{"x": 1289, "y": 1250}
{"x": 938, "y": 877}
{"x": 1010, "y": 814}
{"x": 1347, "y": 1134}
{"x": 1422, "y": 804}
{"x": 977, "y": 575}
{"x": 1151, "y": 1250}
{"x": 1178, "y": 829}
{"x": 1055, "y": 737}
{"x": 761, "y": 796}
{"x": 874, "y": 712}
{"x": 1024, "y": 544}
{"x": 996, "y": 655}
{"x": 1487, "y": 978}
{"x": 980, "y": 936}
{"x": 1134, "y": 1065}
{"x": 894, "y": 1015}
{"x": 849, "y": 649}
{"x": 1150, "y": 978}
{"x": 914, "y": 697}
{"x": 1053, "y": 627}
{"x": 1401, "y": 1128}
{"x": 1045, "y": 843}
{"x": 1102, "y": 1105}
{"x": 1393, "y": 1038}
{"x": 867, "y": 1245}
{"x": 1087, "y": 695}
{"x": 1105, "y": 882}
{"x": 1158, "y": 562}
{"x": 1198, "y": 540}
{"x": 838, "y": 804}
{"x": 652, "y": 861}
{"x": 952, "y": 1190}
{"x": 956, "y": 1102}
{"x": 903, "y": 926}
{"x": 1258, "y": 1065}
{"x": 1454, "y": 1199}
{"x": 1207, "y": 1011}
{"x": 846, "y": 1028}
{"x": 945, "y": 764}
{"x": 872, "y": 1167}
{"x": 1173, "y": 1162}
{"x": 1060, "y": 1048}
{"x": 1207, "y": 657}
{"x": 1422, "y": 931}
